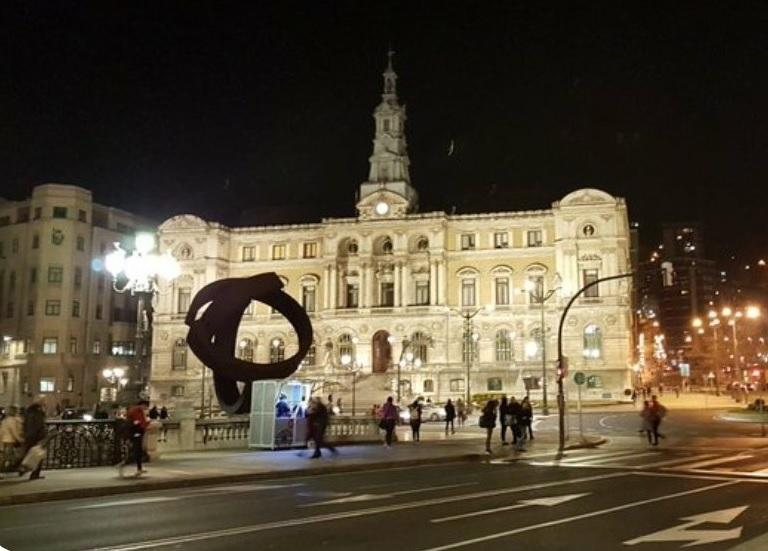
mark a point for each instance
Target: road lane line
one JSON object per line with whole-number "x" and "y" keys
{"x": 139, "y": 501}
{"x": 213, "y": 534}
{"x": 710, "y": 462}
{"x": 371, "y": 497}
{"x": 610, "y": 459}
{"x": 600, "y": 512}
{"x": 677, "y": 460}
{"x": 594, "y": 457}
{"x": 545, "y": 501}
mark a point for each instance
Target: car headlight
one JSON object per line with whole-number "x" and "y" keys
{"x": 87, "y": 417}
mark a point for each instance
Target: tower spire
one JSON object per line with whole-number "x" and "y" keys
{"x": 390, "y": 79}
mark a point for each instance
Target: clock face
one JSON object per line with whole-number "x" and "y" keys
{"x": 382, "y": 208}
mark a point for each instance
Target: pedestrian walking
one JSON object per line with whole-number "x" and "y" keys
{"x": 416, "y": 411}
{"x": 657, "y": 413}
{"x": 504, "y": 419}
{"x": 461, "y": 410}
{"x": 34, "y": 437}
{"x": 646, "y": 426}
{"x": 488, "y": 422}
{"x": 389, "y": 416}
{"x": 518, "y": 427}
{"x": 527, "y": 417}
{"x": 163, "y": 413}
{"x": 153, "y": 413}
{"x": 450, "y": 415}
{"x": 11, "y": 440}
{"x": 317, "y": 419}
{"x": 137, "y": 422}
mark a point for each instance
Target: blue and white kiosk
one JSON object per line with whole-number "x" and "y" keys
{"x": 278, "y": 414}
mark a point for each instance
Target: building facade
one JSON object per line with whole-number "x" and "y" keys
{"x": 61, "y": 322}
{"x": 425, "y": 302}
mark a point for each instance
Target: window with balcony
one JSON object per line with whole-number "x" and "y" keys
{"x": 179, "y": 359}
{"x": 590, "y": 276}
{"x": 502, "y": 291}
{"x": 52, "y": 307}
{"x": 468, "y": 286}
{"x": 503, "y": 346}
{"x": 422, "y": 292}
{"x": 50, "y": 345}
{"x": 500, "y": 240}
{"x": 55, "y": 274}
{"x": 310, "y": 250}
{"x": 535, "y": 238}
{"x": 279, "y": 251}
{"x": 276, "y": 350}
{"x": 183, "y": 300}
{"x": 353, "y": 295}
{"x": 387, "y": 294}
{"x": 308, "y": 297}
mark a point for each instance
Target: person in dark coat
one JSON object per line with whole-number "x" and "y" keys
{"x": 389, "y": 417}
{"x": 488, "y": 422}
{"x": 137, "y": 426}
{"x": 163, "y": 412}
{"x": 416, "y": 411}
{"x": 504, "y": 419}
{"x": 450, "y": 415}
{"x": 153, "y": 413}
{"x": 317, "y": 418}
{"x": 518, "y": 429}
{"x": 34, "y": 432}
{"x": 527, "y": 417}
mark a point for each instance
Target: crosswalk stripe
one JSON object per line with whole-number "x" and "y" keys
{"x": 711, "y": 462}
{"x": 676, "y": 460}
{"x": 611, "y": 459}
{"x": 579, "y": 459}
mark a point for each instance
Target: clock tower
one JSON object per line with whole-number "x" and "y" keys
{"x": 388, "y": 192}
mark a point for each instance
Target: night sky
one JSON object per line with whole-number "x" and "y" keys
{"x": 262, "y": 111}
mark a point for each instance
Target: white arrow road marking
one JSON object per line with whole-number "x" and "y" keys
{"x": 140, "y": 501}
{"x": 370, "y": 497}
{"x": 681, "y": 532}
{"x": 543, "y": 501}
{"x": 497, "y": 535}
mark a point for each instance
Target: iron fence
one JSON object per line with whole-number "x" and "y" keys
{"x": 76, "y": 443}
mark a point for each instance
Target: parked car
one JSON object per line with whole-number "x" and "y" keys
{"x": 77, "y": 414}
{"x": 433, "y": 412}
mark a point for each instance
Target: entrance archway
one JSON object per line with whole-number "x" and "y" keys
{"x": 382, "y": 352}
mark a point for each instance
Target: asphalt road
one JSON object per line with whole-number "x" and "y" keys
{"x": 600, "y": 499}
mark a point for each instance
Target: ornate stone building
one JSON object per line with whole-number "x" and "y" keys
{"x": 436, "y": 295}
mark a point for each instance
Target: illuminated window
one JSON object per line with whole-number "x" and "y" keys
{"x": 245, "y": 350}
{"x": 248, "y": 254}
{"x": 310, "y": 250}
{"x": 184, "y": 299}
{"x": 590, "y": 276}
{"x": 501, "y": 240}
{"x": 503, "y": 346}
{"x": 50, "y": 345}
{"x": 468, "y": 292}
{"x": 278, "y": 252}
{"x": 346, "y": 345}
{"x": 593, "y": 342}
{"x": 467, "y": 241}
{"x": 422, "y": 292}
{"x": 420, "y": 345}
{"x": 502, "y": 291}
{"x": 308, "y": 297}
{"x": 276, "y": 350}
{"x": 535, "y": 238}
{"x": 47, "y": 384}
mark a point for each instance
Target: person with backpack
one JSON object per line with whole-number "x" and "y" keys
{"x": 137, "y": 423}
{"x": 488, "y": 422}
{"x": 416, "y": 412}
{"x": 450, "y": 415}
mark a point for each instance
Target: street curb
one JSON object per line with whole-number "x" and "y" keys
{"x": 148, "y": 486}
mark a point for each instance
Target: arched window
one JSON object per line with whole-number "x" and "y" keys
{"x": 422, "y": 244}
{"x": 593, "y": 341}
{"x": 352, "y": 247}
{"x": 179, "y": 360}
{"x": 311, "y": 357}
{"x": 346, "y": 347}
{"x": 429, "y": 385}
{"x": 276, "y": 350}
{"x": 419, "y": 344}
{"x": 503, "y": 346}
{"x": 245, "y": 350}
{"x": 386, "y": 246}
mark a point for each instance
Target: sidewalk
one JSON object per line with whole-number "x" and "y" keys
{"x": 186, "y": 469}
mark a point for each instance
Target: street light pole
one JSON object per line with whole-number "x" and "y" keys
{"x": 541, "y": 298}
{"x": 560, "y": 368}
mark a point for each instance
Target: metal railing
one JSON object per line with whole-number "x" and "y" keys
{"x": 76, "y": 443}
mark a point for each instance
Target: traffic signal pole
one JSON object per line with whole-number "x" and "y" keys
{"x": 562, "y": 368}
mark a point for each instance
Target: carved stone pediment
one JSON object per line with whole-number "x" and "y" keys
{"x": 184, "y": 222}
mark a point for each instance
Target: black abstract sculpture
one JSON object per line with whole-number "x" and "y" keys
{"x": 213, "y": 335}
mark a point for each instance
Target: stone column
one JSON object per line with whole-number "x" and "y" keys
{"x": 432, "y": 283}
{"x": 184, "y": 413}
{"x": 442, "y": 274}
{"x": 370, "y": 281}
{"x": 405, "y": 286}
{"x": 333, "y": 287}
{"x": 326, "y": 286}
{"x": 398, "y": 268}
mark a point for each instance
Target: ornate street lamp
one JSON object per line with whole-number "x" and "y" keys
{"x": 137, "y": 272}
{"x": 115, "y": 376}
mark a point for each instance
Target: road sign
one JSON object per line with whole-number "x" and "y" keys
{"x": 681, "y": 532}
{"x": 579, "y": 378}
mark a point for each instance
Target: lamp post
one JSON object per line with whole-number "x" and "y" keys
{"x": 115, "y": 376}
{"x": 469, "y": 340}
{"x": 137, "y": 272}
{"x": 540, "y": 297}
{"x": 354, "y": 366}
{"x": 750, "y": 312}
